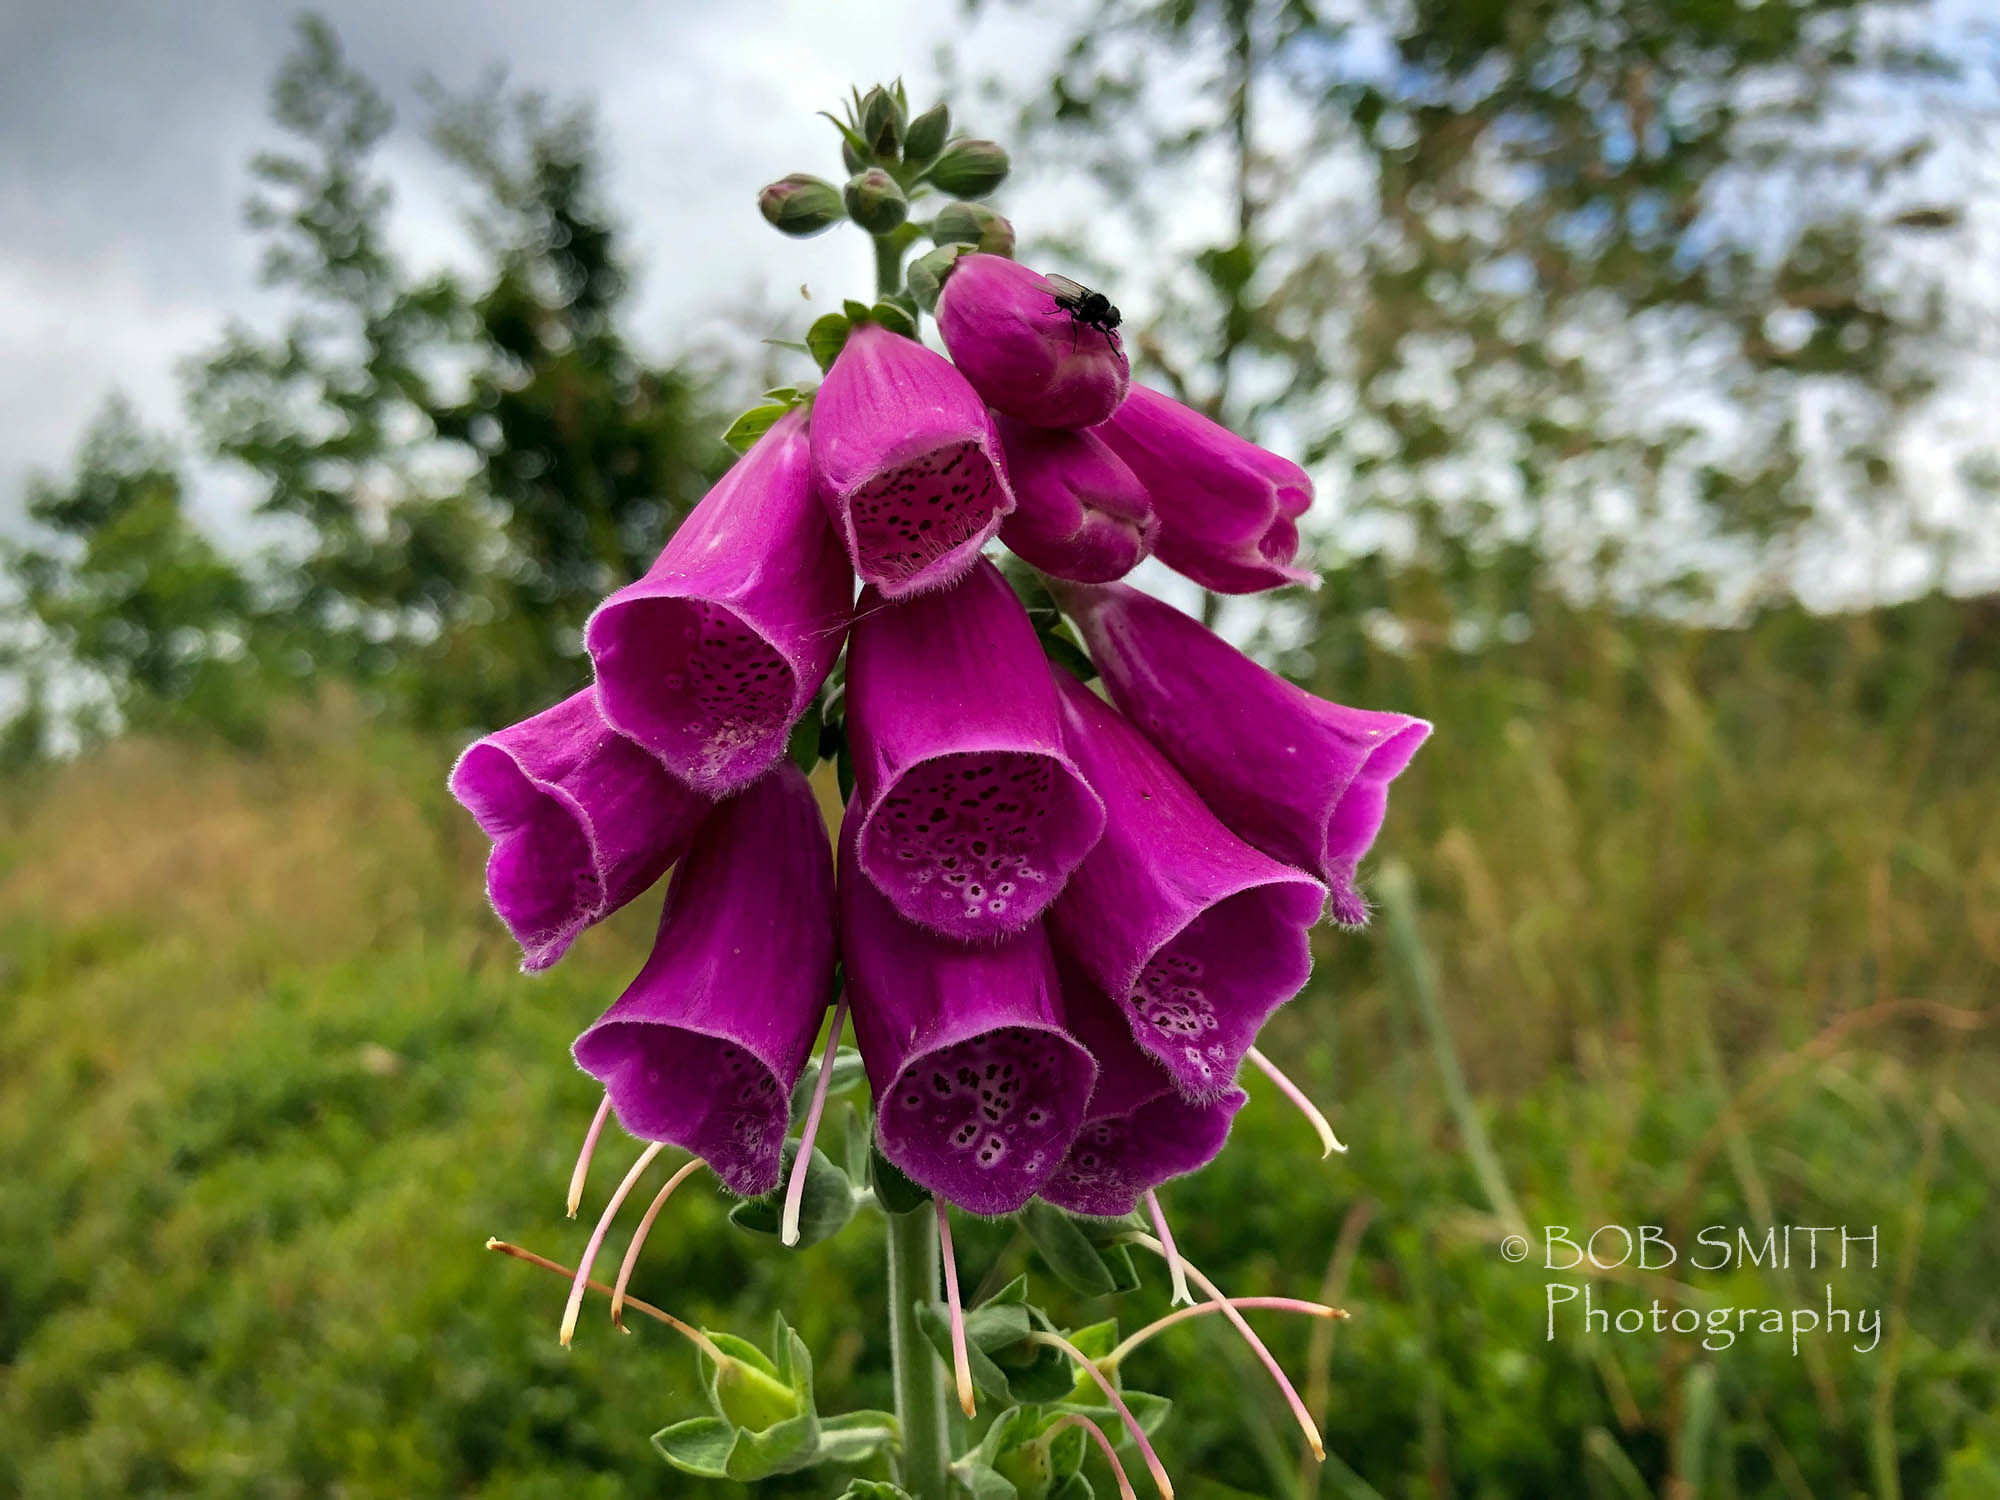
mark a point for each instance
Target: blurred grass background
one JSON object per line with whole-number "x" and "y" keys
{"x": 1714, "y": 915}
{"x": 1690, "y": 911}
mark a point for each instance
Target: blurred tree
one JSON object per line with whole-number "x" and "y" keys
{"x": 1617, "y": 297}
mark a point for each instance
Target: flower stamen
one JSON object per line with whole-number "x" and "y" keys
{"x": 597, "y": 1235}
{"x": 1083, "y": 1362}
{"x": 1074, "y": 1419}
{"x": 639, "y": 1239}
{"x": 583, "y": 1157}
{"x": 1236, "y": 1320}
{"x": 961, "y": 1365}
{"x": 1328, "y": 1141}
{"x": 1202, "y": 1309}
{"x": 795, "y": 1190}
{"x": 694, "y": 1335}
{"x": 1182, "y": 1296}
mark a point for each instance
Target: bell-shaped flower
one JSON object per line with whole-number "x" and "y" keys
{"x": 582, "y": 820}
{"x": 907, "y": 463}
{"x": 979, "y": 1089}
{"x": 1078, "y": 511}
{"x": 1139, "y": 1130}
{"x": 970, "y": 814}
{"x": 711, "y": 657}
{"x": 1228, "y": 508}
{"x": 704, "y": 1047}
{"x": 1197, "y": 936}
{"x": 1025, "y": 352}
{"x": 1305, "y": 780}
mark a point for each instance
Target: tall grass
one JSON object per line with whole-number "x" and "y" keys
{"x": 1697, "y": 929}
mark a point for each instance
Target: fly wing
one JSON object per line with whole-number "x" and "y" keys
{"x": 1066, "y": 291}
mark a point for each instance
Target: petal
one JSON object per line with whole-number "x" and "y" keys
{"x": 1305, "y": 780}
{"x": 907, "y": 463}
{"x": 1079, "y": 512}
{"x": 1195, "y": 934}
{"x": 972, "y": 814}
{"x": 582, "y": 820}
{"x": 711, "y": 657}
{"x": 979, "y": 1090}
{"x": 704, "y": 1047}
{"x": 1023, "y": 351}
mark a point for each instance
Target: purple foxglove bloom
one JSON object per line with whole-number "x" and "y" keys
{"x": 907, "y": 463}
{"x": 1195, "y": 934}
{"x": 1078, "y": 511}
{"x": 979, "y": 1090}
{"x": 703, "y": 1048}
{"x": 970, "y": 814}
{"x": 710, "y": 658}
{"x": 1138, "y": 1131}
{"x": 1305, "y": 780}
{"x": 1023, "y": 351}
{"x": 1227, "y": 507}
{"x": 582, "y": 820}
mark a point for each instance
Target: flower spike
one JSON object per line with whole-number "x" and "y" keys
{"x": 624, "y": 1189}
{"x": 1236, "y": 1319}
{"x": 1328, "y": 1141}
{"x": 576, "y": 1177}
{"x": 626, "y": 1266}
{"x": 795, "y": 1189}
{"x": 1181, "y": 1296}
{"x": 961, "y": 1364}
{"x": 1083, "y": 1362}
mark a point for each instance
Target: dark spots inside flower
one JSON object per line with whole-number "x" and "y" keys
{"x": 908, "y": 517}
{"x": 727, "y": 690}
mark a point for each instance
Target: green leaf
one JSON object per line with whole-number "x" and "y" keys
{"x": 874, "y": 1489}
{"x": 1098, "y": 1340}
{"x": 789, "y": 394}
{"x": 792, "y": 344}
{"x": 824, "y": 1208}
{"x": 803, "y": 749}
{"x": 895, "y": 1192}
{"x": 1035, "y": 1372}
{"x": 698, "y": 1446}
{"x": 826, "y": 338}
{"x": 1118, "y": 1259}
{"x": 856, "y": 1436}
{"x": 743, "y": 433}
{"x": 1066, "y": 1250}
{"x": 847, "y": 1072}
{"x": 982, "y": 1483}
{"x": 1076, "y": 1487}
{"x": 934, "y": 1320}
{"x": 1060, "y": 647}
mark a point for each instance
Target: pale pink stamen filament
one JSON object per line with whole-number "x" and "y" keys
{"x": 1203, "y": 1309}
{"x": 1236, "y": 1320}
{"x": 961, "y": 1366}
{"x": 1077, "y": 1356}
{"x": 694, "y": 1335}
{"x": 583, "y": 1157}
{"x": 597, "y": 1239}
{"x": 1182, "y": 1296}
{"x": 639, "y": 1236}
{"x": 1328, "y": 1141}
{"x": 1071, "y": 1419}
{"x": 795, "y": 1190}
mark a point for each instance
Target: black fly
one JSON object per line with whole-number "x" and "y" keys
{"x": 1087, "y": 309}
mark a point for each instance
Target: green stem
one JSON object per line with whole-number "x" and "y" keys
{"x": 888, "y": 266}
{"x": 919, "y": 1377}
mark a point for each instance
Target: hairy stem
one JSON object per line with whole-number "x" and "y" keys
{"x": 913, "y": 1278}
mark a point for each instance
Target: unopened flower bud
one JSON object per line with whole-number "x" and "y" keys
{"x": 801, "y": 204}
{"x": 927, "y": 133}
{"x": 973, "y": 224}
{"x": 970, "y": 169}
{"x": 850, "y": 157}
{"x": 882, "y": 121}
{"x": 875, "y": 202}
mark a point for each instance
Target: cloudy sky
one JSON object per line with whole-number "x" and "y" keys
{"x": 126, "y": 125}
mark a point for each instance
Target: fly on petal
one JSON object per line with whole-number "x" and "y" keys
{"x": 1024, "y": 351}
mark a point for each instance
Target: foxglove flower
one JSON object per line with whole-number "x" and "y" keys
{"x": 1138, "y": 1131}
{"x": 1078, "y": 511}
{"x": 1023, "y": 351}
{"x": 907, "y": 463}
{"x": 979, "y": 1089}
{"x": 1305, "y": 780}
{"x": 709, "y": 659}
{"x": 970, "y": 815}
{"x": 703, "y": 1048}
{"x": 582, "y": 820}
{"x": 1195, "y": 934}
{"x": 1227, "y": 508}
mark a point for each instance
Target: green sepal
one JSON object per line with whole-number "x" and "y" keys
{"x": 1060, "y": 646}
{"x": 998, "y": 1331}
{"x": 976, "y": 1480}
{"x": 847, "y": 1072}
{"x": 927, "y": 273}
{"x": 802, "y": 747}
{"x": 795, "y": 345}
{"x": 827, "y": 337}
{"x": 824, "y": 1208}
{"x": 895, "y": 1192}
{"x": 856, "y": 1436}
{"x": 1124, "y": 1275}
{"x": 1148, "y": 1410}
{"x": 699, "y": 1446}
{"x": 1076, "y": 1487}
{"x": 1066, "y": 1250}
{"x": 743, "y": 433}
{"x": 856, "y": 312}
{"x": 926, "y": 135}
{"x": 892, "y": 316}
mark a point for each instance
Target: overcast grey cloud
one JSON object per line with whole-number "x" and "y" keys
{"x": 126, "y": 126}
